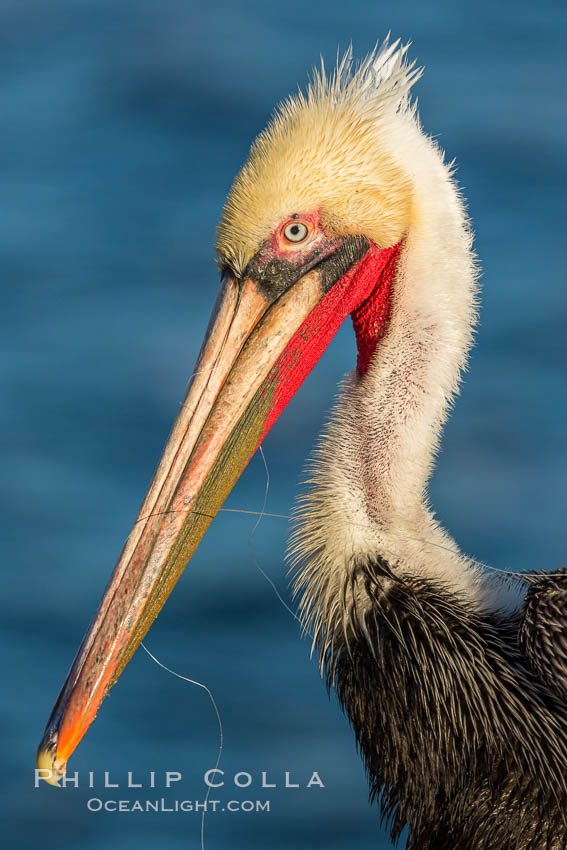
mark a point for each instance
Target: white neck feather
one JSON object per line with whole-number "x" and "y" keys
{"x": 367, "y": 493}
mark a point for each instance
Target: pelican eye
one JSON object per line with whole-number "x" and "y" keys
{"x": 296, "y": 231}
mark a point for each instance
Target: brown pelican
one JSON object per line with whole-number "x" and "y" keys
{"x": 454, "y": 682}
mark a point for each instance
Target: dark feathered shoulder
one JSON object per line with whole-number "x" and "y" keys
{"x": 543, "y": 632}
{"x": 463, "y": 744}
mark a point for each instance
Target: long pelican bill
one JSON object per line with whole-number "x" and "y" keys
{"x": 261, "y": 343}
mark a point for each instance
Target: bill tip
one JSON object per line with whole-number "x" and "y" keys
{"x": 48, "y": 767}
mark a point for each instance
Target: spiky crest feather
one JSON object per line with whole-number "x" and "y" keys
{"x": 328, "y": 149}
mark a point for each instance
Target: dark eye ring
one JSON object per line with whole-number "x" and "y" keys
{"x": 296, "y": 231}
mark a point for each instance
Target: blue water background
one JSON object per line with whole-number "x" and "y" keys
{"x": 122, "y": 127}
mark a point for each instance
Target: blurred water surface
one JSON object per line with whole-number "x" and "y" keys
{"x": 122, "y": 127}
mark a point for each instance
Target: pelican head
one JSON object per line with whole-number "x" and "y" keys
{"x": 310, "y": 233}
